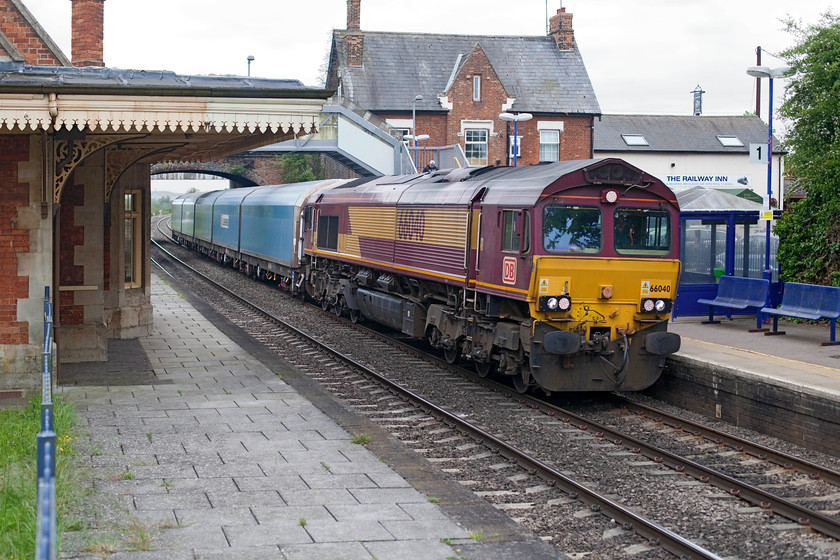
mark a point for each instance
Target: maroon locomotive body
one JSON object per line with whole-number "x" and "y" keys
{"x": 559, "y": 275}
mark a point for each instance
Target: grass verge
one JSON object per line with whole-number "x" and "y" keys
{"x": 18, "y": 477}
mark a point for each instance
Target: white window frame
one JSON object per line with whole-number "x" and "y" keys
{"x": 485, "y": 143}
{"x": 544, "y": 144}
{"x": 730, "y": 141}
{"x": 635, "y": 139}
{"x": 518, "y": 147}
{"x": 477, "y": 87}
{"x": 133, "y": 222}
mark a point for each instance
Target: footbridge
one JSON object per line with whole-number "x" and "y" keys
{"x": 364, "y": 142}
{"x": 347, "y": 133}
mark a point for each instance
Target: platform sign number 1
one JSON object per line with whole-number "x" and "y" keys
{"x": 758, "y": 152}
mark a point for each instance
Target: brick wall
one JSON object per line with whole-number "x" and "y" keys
{"x": 24, "y": 38}
{"x": 13, "y": 241}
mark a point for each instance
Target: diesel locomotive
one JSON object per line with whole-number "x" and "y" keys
{"x": 559, "y": 276}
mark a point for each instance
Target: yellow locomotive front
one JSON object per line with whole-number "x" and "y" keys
{"x": 603, "y": 280}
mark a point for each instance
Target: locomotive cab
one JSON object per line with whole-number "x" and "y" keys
{"x": 605, "y": 273}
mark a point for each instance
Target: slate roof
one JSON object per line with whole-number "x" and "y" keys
{"x": 398, "y": 66}
{"x": 16, "y": 75}
{"x": 666, "y": 133}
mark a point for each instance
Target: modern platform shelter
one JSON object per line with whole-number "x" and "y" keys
{"x": 77, "y": 145}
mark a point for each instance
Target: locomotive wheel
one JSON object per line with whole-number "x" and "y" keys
{"x": 520, "y": 384}
{"x": 339, "y": 306}
{"x": 484, "y": 369}
{"x": 355, "y": 315}
{"x": 452, "y": 355}
{"x": 325, "y": 303}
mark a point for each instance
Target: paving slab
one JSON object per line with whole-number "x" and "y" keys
{"x": 214, "y": 456}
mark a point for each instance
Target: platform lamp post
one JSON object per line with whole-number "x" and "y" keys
{"x": 250, "y": 60}
{"x": 759, "y": 72}
{"x": 414, "y": 125}
{"x": 515, "y": 117}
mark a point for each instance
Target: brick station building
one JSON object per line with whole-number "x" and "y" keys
{"x": 466, "y": 81}
{"x": 76, "y": 143}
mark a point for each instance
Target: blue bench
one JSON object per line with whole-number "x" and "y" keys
{"x": 735, "y": 292}
{"x": 807, "y": 301}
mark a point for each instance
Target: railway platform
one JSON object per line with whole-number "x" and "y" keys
{"x": 201, "y": 447}
{"x": 787, "y": 386}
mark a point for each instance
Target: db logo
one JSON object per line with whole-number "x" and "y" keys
{"x": 509, "y": 270}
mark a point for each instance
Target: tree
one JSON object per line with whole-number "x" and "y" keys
{"x": 162, "y": 205}
{"x": 297, "y": 167}
{"x": 809, "y": 249}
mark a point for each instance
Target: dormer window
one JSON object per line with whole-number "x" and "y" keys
{"x": 730, "y": 141}
{"x": 476, "y": 88}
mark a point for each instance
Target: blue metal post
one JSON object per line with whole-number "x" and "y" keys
{"x": 514, "y": 142}
{"x": 767, "y": 273}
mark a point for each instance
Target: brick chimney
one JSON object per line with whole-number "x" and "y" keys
{"x": 354, "y": 41}
{"x": 88, "y": 23}
{"x": 560, "y": 27}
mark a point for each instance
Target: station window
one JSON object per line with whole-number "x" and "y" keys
{"x": 475, "y": 146}
{"x": 400, "y": 134}
{"x": 518, "y": 147}
{"x": 549, "y": 145}
{"x": 327, "y": 232}
{"x": 477, "y": 88}
{"x": 133, "y": 246}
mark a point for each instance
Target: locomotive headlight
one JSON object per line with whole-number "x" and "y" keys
{"x": 609, "y": 196}
{"x": 555, "y": 303}
{"x": 650, "y": 305}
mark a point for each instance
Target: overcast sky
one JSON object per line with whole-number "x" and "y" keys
{"x": 643, "y": 56}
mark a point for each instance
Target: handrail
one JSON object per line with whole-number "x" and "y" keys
{"x": 45, "y": 531}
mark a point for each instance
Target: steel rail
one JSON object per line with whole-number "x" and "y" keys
{"x": 654, "y": 533}
{"x": 813, "y": 470}
{"x": 817, "y": 521}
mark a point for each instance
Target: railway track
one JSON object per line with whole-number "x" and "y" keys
{"x": 620, "y": 517}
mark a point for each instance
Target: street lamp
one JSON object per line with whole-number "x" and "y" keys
{"x": 414, "y": 125}
{"x": 250, "y": 60}
{"x": 515, "y": 117}
{"x": 759, "y": 72}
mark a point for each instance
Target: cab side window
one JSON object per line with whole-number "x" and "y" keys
{"x": 510, "y": 237}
